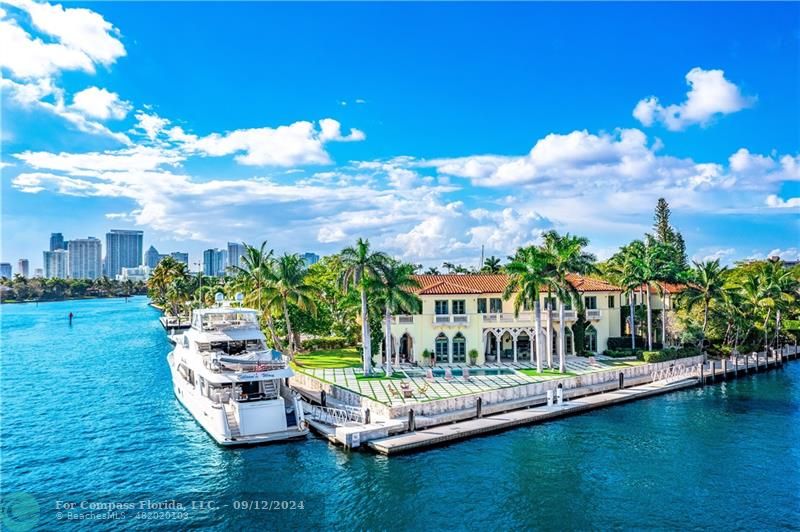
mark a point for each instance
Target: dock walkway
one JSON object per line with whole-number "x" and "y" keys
{"x": 438, "y": 435}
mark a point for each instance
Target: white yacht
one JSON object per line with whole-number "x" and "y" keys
{"x": 231, "y": 382}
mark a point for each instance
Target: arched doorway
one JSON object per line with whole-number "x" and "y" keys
{"x": 590, "y": 339}
{"x": 459, "y": 348}
{"x": 441, "y": 348}
{"x": 406, "y": 348}
{"x": 507, "y": 346}
{"x": 523, "y": 346}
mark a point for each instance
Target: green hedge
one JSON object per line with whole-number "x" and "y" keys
{"x": 325, "y": 342}
{"x": 670, "y": 354}
{"x": 622, "y": 353}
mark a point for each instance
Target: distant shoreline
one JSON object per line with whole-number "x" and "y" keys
{"x": 81, "y": 298}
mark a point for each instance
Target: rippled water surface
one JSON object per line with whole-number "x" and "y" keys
{"x": 88, "y": 414}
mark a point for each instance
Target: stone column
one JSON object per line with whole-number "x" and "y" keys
{"x": 514, "y": 339}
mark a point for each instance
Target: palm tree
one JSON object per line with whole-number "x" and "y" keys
{"x": 287, "y": 285}
{"x": 449, "y": 266}
{"x": 626, "y": 268}
{"x": 492, "y": 265}
{"x": 527, "y": 274}
{"x": 252, "y": 277}
{"x": 359, "y": 266}
{"x": 566, "y": 255}
{"x": 395, "y": 290}
{"x": 708, "y": 280}
{"x": 433, "y": 270}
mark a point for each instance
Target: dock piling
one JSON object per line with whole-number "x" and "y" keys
{"x": 412, "y": 424}
{"x": 621, "y": 380}
{"x": 479, "y": 406}
{"x": 724, "y": 369}
{"x": 713, "y": 370}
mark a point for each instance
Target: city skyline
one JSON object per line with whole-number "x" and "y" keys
{"x": 430, "y": 151}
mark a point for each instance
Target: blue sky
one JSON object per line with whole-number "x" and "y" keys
{"x": 431, "y": 129}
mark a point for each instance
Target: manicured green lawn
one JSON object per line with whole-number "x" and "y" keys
{"x": 347, "y": 357}
{"x": 545, "y": 373}
{"x": 622, "y": 363}
{"x": 397, "y": 376}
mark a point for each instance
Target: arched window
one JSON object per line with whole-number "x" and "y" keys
{"x": 441, "y": 348}
{"x": 459, "y": 348}
{"x": 590, "y": 339}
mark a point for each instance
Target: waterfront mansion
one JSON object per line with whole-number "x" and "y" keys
{"x": 465, "y": 312}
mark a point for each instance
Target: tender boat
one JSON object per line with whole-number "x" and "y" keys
{"x": 231, "y": 382}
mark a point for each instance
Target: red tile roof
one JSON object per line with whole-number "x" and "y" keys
{"x": 672, "y": 288}
{"x": 495, "y": 284}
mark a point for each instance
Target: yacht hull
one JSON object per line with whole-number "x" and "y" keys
{"x": 212, "y": 416}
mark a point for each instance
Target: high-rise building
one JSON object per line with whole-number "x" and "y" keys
{"x": 57, "y": 241}
{"x": 180, "y": 257}
{"x": 56, "y": 264}
{"x": 235, "y": 253}
{"x": 139, "y": 273}
{"x": 5, "y": 270}
{"x": 214, "y": 262}
{"x": 152, "y": 257}
{"x": 23, "y": 267}
{"x": 38, "y": 272}
{"x": 310, "y": 258}
{"x": 85, "y": 258}
{"x": 123, "y": 250}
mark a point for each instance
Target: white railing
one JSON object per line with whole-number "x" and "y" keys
{"x": 336, "y": 417}
{"x": 674, "y": 373}
{"x": 500, "y": 317}
{"x": 403, "y": 319}
{"x": 446, "y": 319}
{"x": 593, "y": 314}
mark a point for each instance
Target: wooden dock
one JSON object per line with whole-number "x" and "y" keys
{"x": 413, "y": 441}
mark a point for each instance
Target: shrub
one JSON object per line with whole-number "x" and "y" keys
{"x": 325, "y": 342}
{"x": 670, "y": 354}
{"x": 621, "y": 353}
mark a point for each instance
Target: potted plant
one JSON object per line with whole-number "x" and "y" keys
{"x": 426, "y": 355}
{"x": 473, "y": 356}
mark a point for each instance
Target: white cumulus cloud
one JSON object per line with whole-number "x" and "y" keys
{"x": 710, "y": 94}
{"x": 100, "y": 103}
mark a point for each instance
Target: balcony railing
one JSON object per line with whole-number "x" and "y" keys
{"x": 450, "y": 319}
{"x": 526, "y": 317}
{"x": 403, "y": 319}
{"x": 593, "y": 314}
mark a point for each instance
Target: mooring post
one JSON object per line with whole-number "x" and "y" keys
{"x": 746, "y": 364}
{"x": 724, "y": 369}
{"x": 713, "y": 369}
{"x": 412, "y": 424}
{"x": 323, "y": 400}
{"x": 702, "y": 374}
{"x": 621, "y": 380}
{"x": 366, "y": 416}
{"x": 479, "y": 406}
{"x": 736, "y": 366}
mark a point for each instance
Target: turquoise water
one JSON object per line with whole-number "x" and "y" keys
{"x": 88, "y": 414}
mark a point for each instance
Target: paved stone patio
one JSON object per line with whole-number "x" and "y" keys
{"x": 388, "y": 391}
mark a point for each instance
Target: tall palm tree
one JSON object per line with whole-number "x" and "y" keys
{"x": 449, "y": 266}
{"x": 626, "y": 268}
{"x": 708, "y": 281}
{"x": 527, "y": 274}
{"x": 566, "y": 255}
{"x": 395, "y": 291}
{"x": 287, "y": 286}
{"x": 359, "y": 266}
{"x": 252, "y": 276}
{"x": 433, "y": 270}
{"x": 492, "y": 265}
